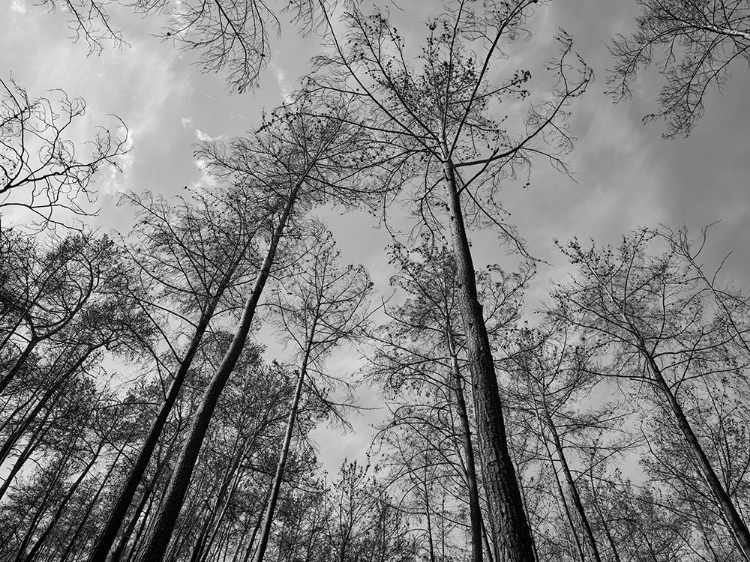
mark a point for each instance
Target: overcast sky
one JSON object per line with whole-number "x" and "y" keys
{"x": 626, "y": 174}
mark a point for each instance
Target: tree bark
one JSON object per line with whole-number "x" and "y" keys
{"x": 564, "y": 503}
{"x": 588, "y": 533}
{"x": 502, "y": 487}
{"x": 475, "y": 509}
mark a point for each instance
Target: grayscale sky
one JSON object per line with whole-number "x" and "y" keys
{"x": 625, "y": 174}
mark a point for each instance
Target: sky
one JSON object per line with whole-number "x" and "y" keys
{"x": 625, "y": 175}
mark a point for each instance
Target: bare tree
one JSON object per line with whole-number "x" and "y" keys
{"x": 437, "y": 149}
{"x": 288, "y": 166}
{"x": 657, "y": 319}
{"x": 192, "y": 257}
{"x": 698, "y": 41}
{"x": 41, "y": 169}
{"x": 318, "y": 308}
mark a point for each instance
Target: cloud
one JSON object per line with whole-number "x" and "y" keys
{"x": 18, "y": 6}
{"x": 284, "y": 86}
{"x": 203, "y": 137}
{"x": 186, "y": 121}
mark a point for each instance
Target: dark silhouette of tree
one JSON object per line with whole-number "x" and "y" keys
{"x": 320, "y": 306}
{"x": 191, "y": 257}
{"x": 419, "y": 359}
{"x": 696, "y": 43}
{"x": 289, "y": 165}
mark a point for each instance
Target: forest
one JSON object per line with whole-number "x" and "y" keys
{"x": 404, "y": 302}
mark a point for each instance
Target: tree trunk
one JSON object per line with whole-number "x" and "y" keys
{"x": 564, "y": 502}
{"x": 63, "y": 504}
{"x": 92, "y": 504}
{"x": 18, "y": 363}
{"x": 430, "y": 540}
{"x": 116, "y": 517}
{"x": 475, "y": 509}
{"x": 43, "y": 504}
{"x": 34, "y": 441}
{"x": 502, "y": 487}
{"x": 167, "y": 516}
{"x": 736, "y": 524}
{"x": 607, "y": 532}
{"x": 588, "y": 533}
{"x": 147, "y": 493}
{"x": 273, "y": 498}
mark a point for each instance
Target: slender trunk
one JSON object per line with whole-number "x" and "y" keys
{"x": 167, "y": 516}
{"x": 18, "y": 363}
{"x": 43, "y": 504}
{"x": 53, "y": 389}
{"x": 240, "y": 542}
{"x": 430, "y": 540}
{"x": 91, "y": 505}
{"x": 737, "y": 526}
{"x": 34, "y": 441}
{"x": 251, "y": 542}
{"x": 475, "y": 510}
{"x": 63, "y": 504}
{"x": 588, "y": 533}
{"x": 116, "y": 517}
{"x": 205, "y": 540}
{"x": 502, "y": 487}
{"x": 564, "y": 502}
{"x": 273, "y": 498}
{"x": 490, "y": 557}
{"x": 607, "y": 532}
{"x": 143, "y": 527}
{"x": 20, "y": 407}
{"x": 147, "y": 493}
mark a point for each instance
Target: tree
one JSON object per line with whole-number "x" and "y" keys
{"x": 552, "y": 388}
{"x": 698, "y": 40}
{"x": 657, "y": 320}
{"x": 318, "y": 308}
{"x": 41, "y": 171}
{"x": 420, "y": 361}
{"x": 436, "y": 149}
{"x": 191, "y": 257}
{"x": 289, "y": 165}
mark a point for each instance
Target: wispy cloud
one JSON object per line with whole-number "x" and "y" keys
{"x": 18, "y": 6}
{"x": 203, "y": 137}
{"x": 284, "y": 86}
